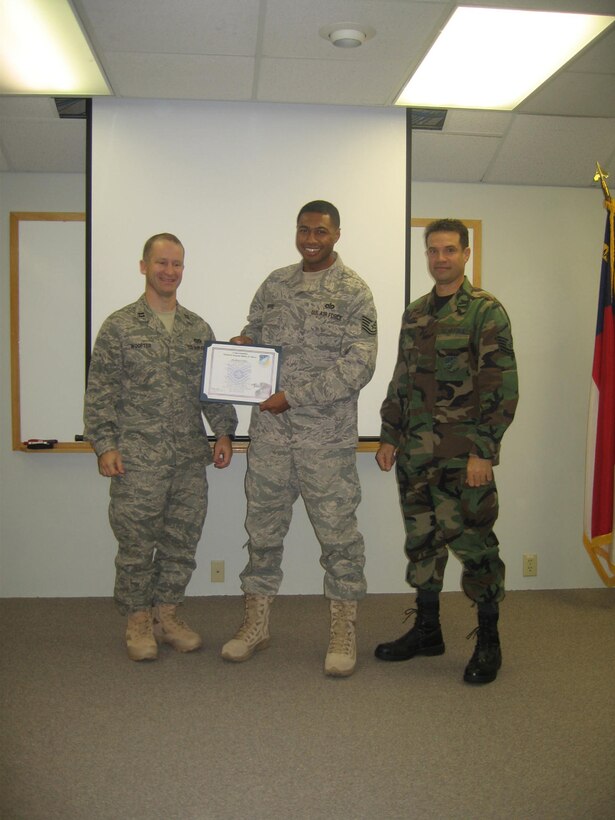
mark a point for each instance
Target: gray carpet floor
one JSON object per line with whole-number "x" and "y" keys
{"x": 88, "y": 734}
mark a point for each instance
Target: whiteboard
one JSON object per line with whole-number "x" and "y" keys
{"x": 229, "y": 179}
{"x": 51, "y": 328}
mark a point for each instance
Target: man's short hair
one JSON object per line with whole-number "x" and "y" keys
{"x": 321, "y": 206}
{"x": 451, "y": 226}
{"x": 167, "y": 237}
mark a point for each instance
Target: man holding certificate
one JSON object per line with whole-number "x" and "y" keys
{"x": 303, "y": 437}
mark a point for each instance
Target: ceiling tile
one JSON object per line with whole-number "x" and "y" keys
{"x": 575, "y": 95}
{"x": 37, "y": 107}
{"x": 4, "y": 165}
{"x": 487, "y": 123}
{"x": 322, "y": 81}
{"x": 402, "y": 29}
{"x": 599, "y": 58}
{"x": 44, "y": 145}
{"x": 438, "y": 157}
{"x": 181, "y": 76}
{"x": 178, "y": 27}
{"x": 552, "y": 151}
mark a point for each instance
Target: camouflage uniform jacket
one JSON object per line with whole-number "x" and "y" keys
{"x": 143, "y": 389}
{"x": 454, "y": 389}
{"x": 326, "y": 326}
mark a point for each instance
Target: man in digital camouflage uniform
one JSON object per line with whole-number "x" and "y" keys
{"x": 453, "y": 394}
{"x": 143, "y": 418}
{"x": 304, "y": 437}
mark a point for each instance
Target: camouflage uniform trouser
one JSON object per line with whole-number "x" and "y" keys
{"x": 157, "y": 516}
{"x": 440, "y": 509}
{"x": 329, "y": 484}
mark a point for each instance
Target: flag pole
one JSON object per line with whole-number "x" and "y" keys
{"x": 600, "y": 459}
{"x": 600, "y": 175}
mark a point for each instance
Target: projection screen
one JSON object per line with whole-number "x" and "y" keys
{"x": 228, "y": 179}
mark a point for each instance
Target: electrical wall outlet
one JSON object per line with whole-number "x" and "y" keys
{"x": 530, "y": 564}
{"x": 217, "y": 571}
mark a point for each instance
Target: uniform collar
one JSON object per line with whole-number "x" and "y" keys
{"x": 458, "y": 303}
{"x": 327, "y": 278}
{"x": 146, "y": 314}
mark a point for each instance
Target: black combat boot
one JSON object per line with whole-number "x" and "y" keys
{"x": 425, "y": 637}
{"x": 487, "y": 658}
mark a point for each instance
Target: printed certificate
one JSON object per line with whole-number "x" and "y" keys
{"x": 240, "y": 374}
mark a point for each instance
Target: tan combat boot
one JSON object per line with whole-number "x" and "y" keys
{"x": 140, "y": 640}
{"x": 253, "y": 634}
{"x": 342, "y": 652}
{"x": 169, "y": 628}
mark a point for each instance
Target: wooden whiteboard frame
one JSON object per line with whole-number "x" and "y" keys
{"x": 15, "y": 219}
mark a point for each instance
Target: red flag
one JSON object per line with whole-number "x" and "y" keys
{"x": 600, "y": 462}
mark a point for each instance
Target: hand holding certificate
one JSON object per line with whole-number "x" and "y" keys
{"x": 241, "y": 374}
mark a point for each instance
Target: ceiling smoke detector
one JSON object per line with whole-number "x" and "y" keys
{"x": 347, "y": 38}
{"x": 347, "y": 35}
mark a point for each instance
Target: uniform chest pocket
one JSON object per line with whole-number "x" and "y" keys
{"x": 142, "y": 360}
{"x": 187, "y": 363}
{"x": 324, "y": 329}
{"x": 453, "y": 358}
{"x": 274, "y": 323}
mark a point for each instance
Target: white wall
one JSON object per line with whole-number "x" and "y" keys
{"x": 540, "y": 256}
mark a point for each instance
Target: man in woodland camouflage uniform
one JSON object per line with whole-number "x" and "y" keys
{"x": 303, "y": 438}
{"x": 143, "y": 417}
{"x": 452, "y": 396}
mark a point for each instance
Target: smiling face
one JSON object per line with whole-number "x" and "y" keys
{"x": 163, "y": 269}
{"x": 316, "y": 238}
{"x": 446, "y": 260}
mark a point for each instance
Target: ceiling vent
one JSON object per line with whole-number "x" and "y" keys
{"x": 71, "y": 108}
{"x": 428, "y": 119}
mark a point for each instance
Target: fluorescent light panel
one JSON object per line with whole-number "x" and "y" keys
{"x": 44, "y": 51}
{"x": 494, "y": 58}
